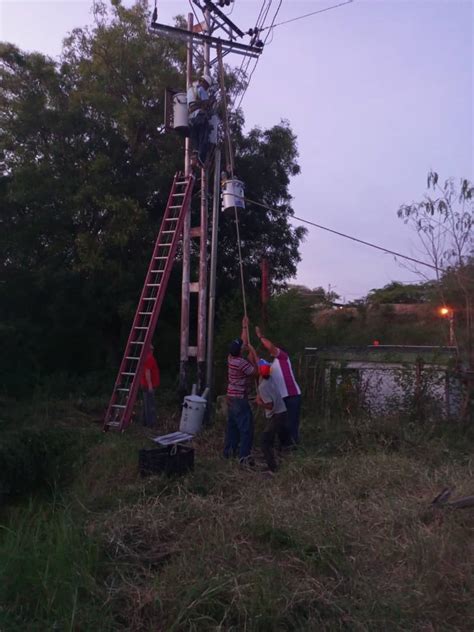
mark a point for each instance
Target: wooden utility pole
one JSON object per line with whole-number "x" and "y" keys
{"x": 184, "y": 337}
{"x": 202, "y": 297}
{"x": 214, "y": 19}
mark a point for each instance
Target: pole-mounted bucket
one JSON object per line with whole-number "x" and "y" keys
{"x": 232, "y": 194}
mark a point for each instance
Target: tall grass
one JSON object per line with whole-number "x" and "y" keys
{"x": 341, "y": 542}
{"x": 50, "y": 572}
{"x": 343, "y": 537}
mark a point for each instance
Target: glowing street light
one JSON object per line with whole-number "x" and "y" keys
{"x": 448, "y": 312}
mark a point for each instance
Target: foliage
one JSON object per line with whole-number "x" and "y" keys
{"x": 32, "y": 459}
{"x": 85, "y": 170}
{"x": 333, "y": 538}
{"x": 49, "y": 572}
{"x": 444, "y": 222}
{"x": 396, "y": 292}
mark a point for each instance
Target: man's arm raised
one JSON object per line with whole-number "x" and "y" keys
{"x": 268, "y": 344}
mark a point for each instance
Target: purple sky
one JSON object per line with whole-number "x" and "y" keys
{"x": 377, "y": 92}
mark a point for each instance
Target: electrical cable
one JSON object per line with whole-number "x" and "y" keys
{"x": 307, "y": 15}
{"x": 356, "y": 239}
{"x": 258, "y": 58}
{"x": 258, "y": 25}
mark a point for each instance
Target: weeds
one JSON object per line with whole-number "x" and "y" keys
{"x": 342, "y": 538}
{"x": 49, "y": 572}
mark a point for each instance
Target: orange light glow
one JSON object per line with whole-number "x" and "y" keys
{"x": 444, "y": 311}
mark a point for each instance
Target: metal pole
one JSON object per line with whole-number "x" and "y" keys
{"x": 213, "y": 272}
{"x": 184, "y": 337}
{"x": 202, "y": 298}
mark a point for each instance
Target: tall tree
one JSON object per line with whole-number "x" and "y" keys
{"x": 444, "y": 223}
{"x": 85, "y": 170}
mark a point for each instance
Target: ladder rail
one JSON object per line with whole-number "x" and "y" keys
{"x": 139, "y": 347}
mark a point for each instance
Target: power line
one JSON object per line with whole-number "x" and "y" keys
{"x": 356, "y": 239}
{"x": 307, "y": 15}
{"x": 264, "y": 42}
{"x": 260, "y": 21}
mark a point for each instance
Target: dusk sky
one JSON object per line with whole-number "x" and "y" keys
{"x": 378, "y": 92}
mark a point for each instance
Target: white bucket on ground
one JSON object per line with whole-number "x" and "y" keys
{"x": 180, "y": 112}
{"x": 192, "y": 414}
{"x": 233, "y": 194}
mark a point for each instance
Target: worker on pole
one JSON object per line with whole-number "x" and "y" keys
{"x": 199, "y": 106}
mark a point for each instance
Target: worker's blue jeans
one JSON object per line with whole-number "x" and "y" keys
{"x": 199, "y": 134}
{"x": 239, "y": 429}
{"x": 293, "y": 406}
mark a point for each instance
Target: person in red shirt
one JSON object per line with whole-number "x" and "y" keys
{"x": 149, "y": 381}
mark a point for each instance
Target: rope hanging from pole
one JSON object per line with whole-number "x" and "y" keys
{"x": 230, "y": 167}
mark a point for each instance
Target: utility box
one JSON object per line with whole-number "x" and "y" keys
{"x": 180, "y": 113}
{"x": 232, "y": 194}
{"x": 176, "y": 112}
{"x": 192, "y": 414}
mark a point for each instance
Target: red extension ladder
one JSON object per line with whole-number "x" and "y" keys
{"x": 119, "y": 411}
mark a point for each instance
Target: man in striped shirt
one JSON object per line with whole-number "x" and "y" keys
{"x": 239, "y": 431}
{"x": 282, "y": 374}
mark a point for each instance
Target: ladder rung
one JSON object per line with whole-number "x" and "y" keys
{"x": 137, "y": 342}
{"x": 171, "y": 219}
{"x": 167, "y": 232}
{"x": 183, "y": 182}
{"x": 141, "y": 328}
{"x": 156, "y": 271}
{"x": 175, "y": 206}
{"x": 127, "y": 373}
{"x": 131, "y": 358}
{"x": 153, "y": 284}
{"x": 161, "y": 257}
{"x": 126, "y": 390}
{"x": 118, "y": 406}
{"x": 153, "y": 298}
{"x": 113, "y": 423}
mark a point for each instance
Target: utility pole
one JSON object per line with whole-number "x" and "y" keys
{"x": 184, "y": 337}
{"x": 214, "y": 19}
{"x": 213, "y": 272}
{"x": 202, "y": 298}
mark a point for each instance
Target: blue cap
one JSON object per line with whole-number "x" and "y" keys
{"x": 235, "y": 347}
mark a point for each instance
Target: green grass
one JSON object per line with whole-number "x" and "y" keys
{"x": 342, "y": 538}
{"x": 50, "y": 572}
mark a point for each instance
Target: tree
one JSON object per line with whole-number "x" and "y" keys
{"x": 444, "y": 222}
{"x": 396, "y": 292}
{"x": 85, "y": 170}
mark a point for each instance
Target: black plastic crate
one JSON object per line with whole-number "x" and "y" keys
{"x": 172, "y": 460}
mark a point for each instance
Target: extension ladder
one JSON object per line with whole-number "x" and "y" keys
{"x": 119, "y": 411}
